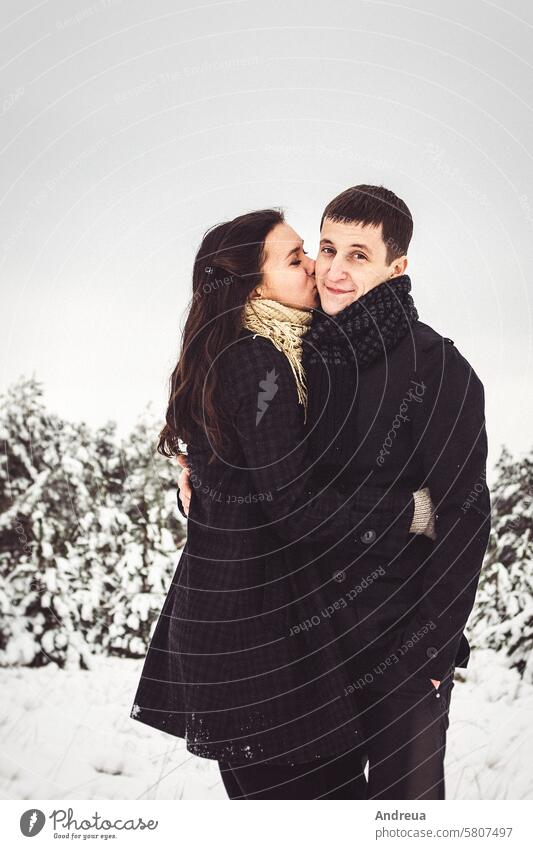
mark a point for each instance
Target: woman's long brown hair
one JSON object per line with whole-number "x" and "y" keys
{"x": 226, "y": 269}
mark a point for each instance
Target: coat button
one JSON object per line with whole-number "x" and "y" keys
{"x": 368, "y": 536}
{"x": 431, "y": 651}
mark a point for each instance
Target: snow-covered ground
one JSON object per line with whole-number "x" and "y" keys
{"x": 68, "y": 735}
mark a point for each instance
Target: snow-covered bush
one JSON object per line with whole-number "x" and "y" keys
{"x": 502, "y": 618}
{"x": 89, "y": 534}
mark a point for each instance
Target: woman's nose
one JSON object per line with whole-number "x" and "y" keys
{"x": 310, "y": 265}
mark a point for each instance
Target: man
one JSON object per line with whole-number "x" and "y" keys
{"x": 391, "y": 398}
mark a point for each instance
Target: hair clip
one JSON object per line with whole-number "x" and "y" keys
{"x": 208, "y": 269}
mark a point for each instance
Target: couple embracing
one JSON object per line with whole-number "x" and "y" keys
{"x": 310, "y": 634}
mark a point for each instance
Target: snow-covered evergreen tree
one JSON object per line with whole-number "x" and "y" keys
{"x": 43, "y": 587}
{"x": 89, "y": 535}
{"x": 150, "y": 541}
{"x": 25, "y": 431}
{"x": 502, "y": 617}
{"x": 97, "y": 545}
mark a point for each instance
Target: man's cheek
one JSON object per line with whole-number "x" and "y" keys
{"x": 321, "y": 267}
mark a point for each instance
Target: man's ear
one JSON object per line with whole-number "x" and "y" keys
{"x": 399, "y": 267}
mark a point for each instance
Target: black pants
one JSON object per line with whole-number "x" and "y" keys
{"x": 404, "y": 730}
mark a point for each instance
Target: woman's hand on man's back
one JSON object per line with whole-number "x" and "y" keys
{"x": 184, "y": 484}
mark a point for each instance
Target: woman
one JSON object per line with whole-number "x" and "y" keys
{"x": 223, "y": 670}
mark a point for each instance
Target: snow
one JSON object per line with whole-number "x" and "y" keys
{"x": 68, "y": 735}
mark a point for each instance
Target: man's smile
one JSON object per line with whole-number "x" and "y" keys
{"x": 335, "y": 291}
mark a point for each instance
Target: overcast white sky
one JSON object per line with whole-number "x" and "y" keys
{"x": 128, "y": 128}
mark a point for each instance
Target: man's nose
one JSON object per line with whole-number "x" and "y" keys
{"x": 336, "y": 270}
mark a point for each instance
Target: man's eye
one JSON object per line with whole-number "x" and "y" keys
{"x": 325, "y": 250}
{"x": 359, "y": 256}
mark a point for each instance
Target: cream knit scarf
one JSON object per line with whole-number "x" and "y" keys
{"x": 284, "y": 326}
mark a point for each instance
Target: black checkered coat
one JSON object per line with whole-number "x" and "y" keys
{"x": 226, "y": 668}
{"x": 412, "y": 417}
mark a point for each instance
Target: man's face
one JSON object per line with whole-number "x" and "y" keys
{"x": 352, "y": 259}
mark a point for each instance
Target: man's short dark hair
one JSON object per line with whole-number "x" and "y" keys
{"x": 374, "y": 205}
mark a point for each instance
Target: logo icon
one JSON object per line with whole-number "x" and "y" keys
{"x": 31, "y": 822}
{"x": 268, "y": 389}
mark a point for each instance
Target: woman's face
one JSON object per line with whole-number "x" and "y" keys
{"x": 288, "y": 273}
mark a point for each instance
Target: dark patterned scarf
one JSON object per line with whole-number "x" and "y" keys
{"x": 366, "y": 329}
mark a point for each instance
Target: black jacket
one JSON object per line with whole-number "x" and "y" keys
{"x": 224, "y": 669}
{"x": 412, "y": 418}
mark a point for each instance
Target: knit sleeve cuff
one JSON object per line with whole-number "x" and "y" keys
{"x": 424, "y": 517}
